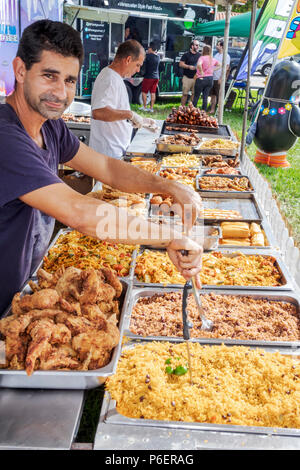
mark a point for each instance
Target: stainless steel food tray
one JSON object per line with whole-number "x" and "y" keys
{"x": 222, "y": 131}
{"x": 290, "y": 297}
{"x": 246, "y": 204}
{"x": 67, "y": 230}
{"x": 200, "y": 148}
{"x": 173, "y": 148}
{"x": 68, "y": 379}
{"x": 216, "y": 192}
{"x": 204, "y": 172}
{"x": 287, "y": 283}
{"x": 111, "y": 416}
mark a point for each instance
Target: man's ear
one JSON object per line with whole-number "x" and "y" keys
{"x": 19, "y": 69}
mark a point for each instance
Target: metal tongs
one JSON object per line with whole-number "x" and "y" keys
{"x": 207, "y": 325}
{"x": 186, "y": 325}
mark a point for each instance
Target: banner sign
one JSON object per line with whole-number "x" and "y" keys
{"x": 268, "y": 35}
{"x": 291, "y": 42}
{"x": 15, "y": 15}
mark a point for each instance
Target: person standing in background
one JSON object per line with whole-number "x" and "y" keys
{"x": 151, "y": 77}
{"x": 188, "y": 63}
{"x": 204, "y": 76}
{"x": 112, "y": 120}
{"x": 217, "y": 76}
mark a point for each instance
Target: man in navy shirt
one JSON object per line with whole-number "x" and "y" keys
{"x": 151, "y": 77}
{"x": 34, "y": 140}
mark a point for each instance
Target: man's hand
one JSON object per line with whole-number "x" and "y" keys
{"x": 137, "y": 120}
{"x": 150, "y": 124}
{"x": 189, "y": 202}
{"x": 189, "y": 265}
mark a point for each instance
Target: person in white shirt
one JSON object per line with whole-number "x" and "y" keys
{"x": 112, "y": 120}
{"x": 217, "y": 76}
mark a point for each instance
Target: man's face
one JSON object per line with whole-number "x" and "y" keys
{"x": 50, "y": 85}
{"x": 133, "y": 66}
{"x": 220, "y": 48}
{"x": 195, "y": 46}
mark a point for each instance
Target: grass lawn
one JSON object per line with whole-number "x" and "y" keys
{"x": 285, "y": 185}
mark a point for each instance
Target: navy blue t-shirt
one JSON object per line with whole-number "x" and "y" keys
{"x": 25, "y": 232}
{"x": 151, "y": 65}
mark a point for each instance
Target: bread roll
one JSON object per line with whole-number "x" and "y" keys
{"x": 235, "y": 241}
{"x": 235, "y": 230}
{"x": 258, "y": 239}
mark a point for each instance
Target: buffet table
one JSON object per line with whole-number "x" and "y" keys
{"x": 40, "y": 418}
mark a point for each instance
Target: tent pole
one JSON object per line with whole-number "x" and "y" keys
{"x": 252, "y": 32}
{"x": 224, "y": 64}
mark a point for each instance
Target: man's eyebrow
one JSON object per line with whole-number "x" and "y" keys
{"x": 57, "y": 72}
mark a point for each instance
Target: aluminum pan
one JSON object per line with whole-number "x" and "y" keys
{"x": 216, "y": 192}
{"x": 69, "y": 380}
{"x": 246, "y": 204}
{"x": 287, "y": 284}
{"x": 68, "y": 230}
{"x": 291, "y": 297}
{"x": 113, "y": 417}
{"x": 217, "y": 151}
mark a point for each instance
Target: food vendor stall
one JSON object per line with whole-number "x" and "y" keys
{"x": 249, "y": 291}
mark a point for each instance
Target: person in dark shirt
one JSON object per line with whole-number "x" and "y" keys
{"x": 189, "y": 64}
{"x": 34, "y": 140}
{"x": 151, "y": 77}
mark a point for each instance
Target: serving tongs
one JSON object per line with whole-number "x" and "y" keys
{"x": 206, "y": 324}
{"x": 186, "y": 326}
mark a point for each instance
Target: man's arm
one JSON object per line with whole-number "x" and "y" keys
{"x": 109, "y": 114}
{"x": 101, "y": 220}
{"x": 129, "y": 178}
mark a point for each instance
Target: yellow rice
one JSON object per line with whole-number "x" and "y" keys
{"x": 232, "y": 385}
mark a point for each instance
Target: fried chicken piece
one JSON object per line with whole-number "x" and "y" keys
{"x": 60, "y": 334}
{"x": 15, "y": 304}
{"x": 47, "y": 280}
{"x": 94, "y": 347}
{"x": 71, "y": 307}
{"x": 112, "y": 279}
{"x": 15, "y": 363}
{"x": 68, "y": 284}
{"x": 39, "y": 347}
{"x": 60, "y": 358}
{"x": 43, "y": 299}
{"x": 90, "y": 287}
{"x": 95, "y": 315}
{"x": 75, "y": 324}
{"x": 109, "y": 307}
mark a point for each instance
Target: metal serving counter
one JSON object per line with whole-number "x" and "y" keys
{"x": 39, "y": 419}
{"x": 49, "y": 419}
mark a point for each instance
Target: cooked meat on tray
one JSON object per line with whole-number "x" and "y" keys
{"x": 191, "y": 115}
{"x": 232, "y": 385}
{"x": 234, "y": 317}
{"x": 218, "y": 161}
{"x": 219, "y": 183}
{"x": 180, "y": 139}
{"x": 134, "y": 203}
{"x": 72, "y": 117}
{"x": 68, "y": 323}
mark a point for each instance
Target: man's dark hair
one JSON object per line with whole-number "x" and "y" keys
{"x": 154, "y": 45}
{"x": 130, "y": 48}
{"x": 221, "y": 43}
{"x": 47, "y": 35}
